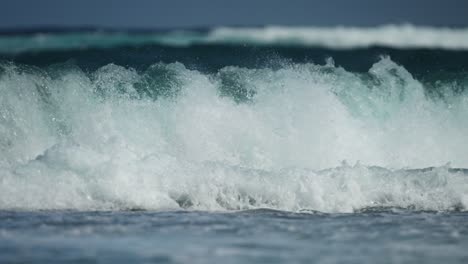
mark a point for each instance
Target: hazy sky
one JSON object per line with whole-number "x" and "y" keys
{"x": 194, "y": 13}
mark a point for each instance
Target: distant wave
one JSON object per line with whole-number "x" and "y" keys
{"x": 394, "y": 36}
{"x": 397, "y": 36}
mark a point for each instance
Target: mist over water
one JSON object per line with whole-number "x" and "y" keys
{"x": 170, "y": 137}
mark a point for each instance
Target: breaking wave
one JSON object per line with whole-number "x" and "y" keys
{"x": 404, "y": 36}
{"x": 394, "y": 36}
{"x": 169, "y": 137}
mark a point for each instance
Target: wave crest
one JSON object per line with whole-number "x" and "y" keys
{"x": 404, "y": 36}
{"x": 170, "y": 137}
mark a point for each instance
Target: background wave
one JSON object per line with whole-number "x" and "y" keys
{"x": 393, "y": 36}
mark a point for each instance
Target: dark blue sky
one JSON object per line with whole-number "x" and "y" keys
{"x": 195, "y": 13}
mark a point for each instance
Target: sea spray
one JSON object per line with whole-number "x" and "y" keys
{"x": 241, "y": 138}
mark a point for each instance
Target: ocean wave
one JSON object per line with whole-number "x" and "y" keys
{"x": 394, "y": 36}
{"x": 170, "y": 138}
{"x": 404, "y": 36}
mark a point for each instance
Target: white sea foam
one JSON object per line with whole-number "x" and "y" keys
{"x": 396, "y": 36}
{"x": 237, "y": 139}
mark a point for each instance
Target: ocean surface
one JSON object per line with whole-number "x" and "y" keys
{"x": 238, "y": 145}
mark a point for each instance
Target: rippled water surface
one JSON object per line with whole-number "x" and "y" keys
{"x": 255, "y": 236}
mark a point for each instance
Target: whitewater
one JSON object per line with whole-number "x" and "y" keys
{"x": 300, "y": 137}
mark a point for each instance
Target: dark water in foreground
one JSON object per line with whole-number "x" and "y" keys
{"x": 256, "y": 236}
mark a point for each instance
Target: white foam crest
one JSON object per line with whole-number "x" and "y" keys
{"x": 341, "y": 37}
{"x": 91, "y": 142}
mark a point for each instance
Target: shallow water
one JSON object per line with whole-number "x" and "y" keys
{"x": 255, "y": 236}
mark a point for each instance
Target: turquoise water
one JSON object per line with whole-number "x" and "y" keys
{"x": 242, "y": 145}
